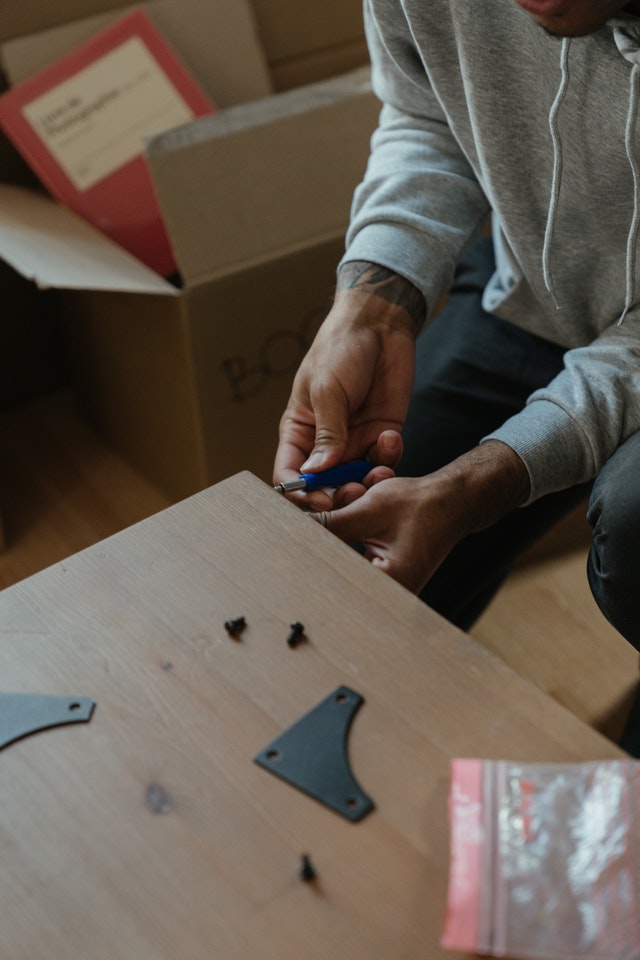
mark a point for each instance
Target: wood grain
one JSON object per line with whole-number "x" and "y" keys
{"x": 150, "y": 833}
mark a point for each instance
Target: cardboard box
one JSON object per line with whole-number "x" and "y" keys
{"x": 31, "y": 358}
{"x": 217, "y": 39}
{"x": 31, "y": 354}
{"x": 310, "y": 41}
{"x": 230, "y": 60}
{"x": 82, "y": 121}
{"x": 189, "y": 384}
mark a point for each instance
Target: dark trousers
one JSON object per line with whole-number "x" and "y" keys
{"x": 473, "y": 372}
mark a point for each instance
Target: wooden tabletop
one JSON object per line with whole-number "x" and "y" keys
{"x": 149, "y": 833}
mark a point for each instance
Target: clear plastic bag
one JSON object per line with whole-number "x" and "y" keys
{"x": 545, "y": 860}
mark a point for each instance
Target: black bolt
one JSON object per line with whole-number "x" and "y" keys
{"x": 307, "y": 870}
{"x": 234, "y": 627}
{"x": 297, "y": 630}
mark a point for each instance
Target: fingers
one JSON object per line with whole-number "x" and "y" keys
{"x": 353, "y": 524}
{"x": 321, "y": 517}
{"x": 353, "y": 491}
{"x": 383, "y": 551}
{"x": 387, "y": 449}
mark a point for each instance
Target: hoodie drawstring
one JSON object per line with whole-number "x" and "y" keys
{"x": 557, "y": 170}
{"x": 628, "y": 47}
{"x": 626, "y": 39}
{"x": 634, "y": 163}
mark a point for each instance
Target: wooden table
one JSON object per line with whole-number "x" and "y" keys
{"x": 150, "y": 833}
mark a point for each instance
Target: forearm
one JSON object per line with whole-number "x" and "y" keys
{"x": 395, "y": 298}
{"x": 482, "y": 486}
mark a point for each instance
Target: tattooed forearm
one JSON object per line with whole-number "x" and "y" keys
{"x": 384, "y": 283}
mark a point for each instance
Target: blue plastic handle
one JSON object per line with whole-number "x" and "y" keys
{"x": 337, "y": 476}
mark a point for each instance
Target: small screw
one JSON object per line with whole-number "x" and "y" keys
{"x": 234, "y": 627}
{"x": 307, "y": 870}
{"x": 297, "y": 630}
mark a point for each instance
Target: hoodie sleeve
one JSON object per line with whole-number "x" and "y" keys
{"x": 569, "y": 429}
{"x": 419, "y": 203}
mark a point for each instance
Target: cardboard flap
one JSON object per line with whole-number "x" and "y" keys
{"x": 266, "y": 178}
{"x": 217, "y": 40}
{"x": 28, "y": 16}
{"x": 47, "y": 243}
{"x": 290, "y": 29}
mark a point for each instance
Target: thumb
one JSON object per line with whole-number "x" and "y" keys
{"x": 348, "y": 523}
{"x": 330, "y": 438}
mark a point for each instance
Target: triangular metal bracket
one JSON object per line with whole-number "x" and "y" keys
{"x": 25, "y": 713}
{"x": 312, "y": 755}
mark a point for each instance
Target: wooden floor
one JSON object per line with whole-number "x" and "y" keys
{"x": 546, "y": 625}
{"x": 62, "y": 489}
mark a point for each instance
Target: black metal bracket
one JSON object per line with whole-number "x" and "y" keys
{"x": 312, "y": 755}
{"x": 25, "y": 713}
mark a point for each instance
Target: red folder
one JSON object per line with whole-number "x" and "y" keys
{"x": 81, "y": 122}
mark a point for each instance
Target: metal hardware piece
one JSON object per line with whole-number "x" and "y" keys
{"x": 234, "y": 627}
{"x": 25, "y": 713}
{"x": 296, "y": 634}
{"x": 306, "y": 870}
{"x": 312, "y": 755}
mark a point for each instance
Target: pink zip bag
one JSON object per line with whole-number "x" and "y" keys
{"x": 545, "y": 860}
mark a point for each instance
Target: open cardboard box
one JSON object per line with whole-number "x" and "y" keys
{"x": 189, "y": 384}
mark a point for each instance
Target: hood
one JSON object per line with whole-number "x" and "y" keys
{"x": 626, "y": 33}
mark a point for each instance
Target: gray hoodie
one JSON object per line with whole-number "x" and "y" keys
{"x": 485, "y": 112}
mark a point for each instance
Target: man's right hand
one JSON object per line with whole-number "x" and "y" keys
{"x": 351, "y": 393}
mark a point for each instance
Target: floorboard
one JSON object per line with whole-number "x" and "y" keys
{"x": 61, "y": 488}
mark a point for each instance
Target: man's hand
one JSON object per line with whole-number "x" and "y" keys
{"x": 408, "y": 525}
{"x": 351, "y": 393}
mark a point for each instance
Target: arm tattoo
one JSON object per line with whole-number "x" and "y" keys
{"x": 384, "y": 283}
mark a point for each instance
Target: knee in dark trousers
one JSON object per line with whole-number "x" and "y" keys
{"x": 614, "y": 560}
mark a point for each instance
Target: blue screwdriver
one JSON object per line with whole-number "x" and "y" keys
{"x": 334, "y": 477}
